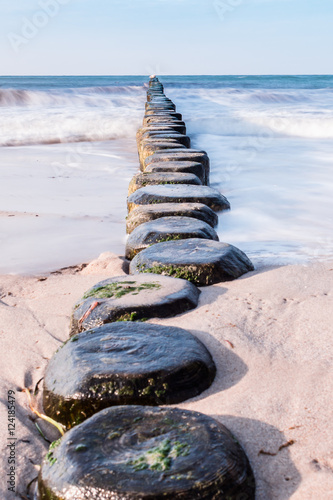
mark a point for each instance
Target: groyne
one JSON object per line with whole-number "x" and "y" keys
{"x": 109, "y": 385}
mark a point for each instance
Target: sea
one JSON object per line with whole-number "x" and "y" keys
{"x": 68, "y": 152}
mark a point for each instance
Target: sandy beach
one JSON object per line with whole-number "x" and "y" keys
{"x": 237, "y": 115}
{"x": 269, "y": 333}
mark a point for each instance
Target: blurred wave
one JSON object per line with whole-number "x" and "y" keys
{"x": 69, "y": 115}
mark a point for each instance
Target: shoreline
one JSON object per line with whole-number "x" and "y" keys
{"x": 269, "y": 334}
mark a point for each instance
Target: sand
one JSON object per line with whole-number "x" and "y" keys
{"x": 269, "y": 333}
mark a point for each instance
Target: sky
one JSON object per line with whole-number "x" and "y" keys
{"x": 166, "y": 37}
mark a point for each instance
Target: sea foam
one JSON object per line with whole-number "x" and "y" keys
{"x": 69, "y": 115}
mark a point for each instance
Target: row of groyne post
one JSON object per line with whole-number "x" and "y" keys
{"x": 110, "y": 384}
{"x": 171, "y": 202}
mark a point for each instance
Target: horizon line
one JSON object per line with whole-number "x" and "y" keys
{"x": 167, "y": 75}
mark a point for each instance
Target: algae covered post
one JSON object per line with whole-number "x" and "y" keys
{"x": 125, "y": 363}
{"x": 140, "y": 452}
{"x": 142, "y": 296}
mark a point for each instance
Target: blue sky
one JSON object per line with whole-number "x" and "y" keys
{"x": 166, "y": 37}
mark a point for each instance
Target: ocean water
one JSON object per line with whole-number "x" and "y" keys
{"x": 68, "y": 151}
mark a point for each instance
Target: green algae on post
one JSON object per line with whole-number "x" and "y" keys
{"x": 137, "y": 452}
{"x": 160, "y": 458}
{"x": 176, "y": 272}
{"x": 133, "y": 316}
{"x": 132, "y": 299}
{"x": 125, "y": 363}
{"x": 118, "y": 289}
{"x": 201, "y": 261}
{"x": 49, "y": 456}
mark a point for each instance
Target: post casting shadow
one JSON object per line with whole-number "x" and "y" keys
{"x": 230, "y": 368}
{"x": 267, "y": 449}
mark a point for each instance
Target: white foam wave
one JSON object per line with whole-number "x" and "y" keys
{"x": 239, "y": 112}
{"x": 294, "y": 124}
{"x": 92, "y": 114}
{"x": 91, "y": 96}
